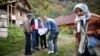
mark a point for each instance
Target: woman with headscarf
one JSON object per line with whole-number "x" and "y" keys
{"x": 87, "y": 31}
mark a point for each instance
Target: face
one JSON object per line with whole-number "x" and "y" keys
{"x": 79, "y": 12}
{"x": 39, "y": 20}
{"x": 29, "y": 17}
{"x": 44, "y": 18}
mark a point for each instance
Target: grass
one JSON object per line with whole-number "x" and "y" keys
{"x": 64, "y": 50}
{"x": 13, "y": 43}
{"x": 66, "y": 46}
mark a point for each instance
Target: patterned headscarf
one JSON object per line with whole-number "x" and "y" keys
{"x": 86, "y": 16}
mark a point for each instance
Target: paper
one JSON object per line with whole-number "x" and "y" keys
{"x": 42, "y": 31}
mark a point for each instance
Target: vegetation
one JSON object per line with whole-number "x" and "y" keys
{"x": 94, "y": 5}
{"x": 11, "y": 45}
{"x": 1, "y": 1}
{"x": 52, "y": 8}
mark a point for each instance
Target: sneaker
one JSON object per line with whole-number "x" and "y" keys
{"x": 28, "y": 53}
{"x": 56, "y": 52}
{"x": 33, "y": 50}
{"x": 50, "y": 52}
{"x": 37, "y": 49}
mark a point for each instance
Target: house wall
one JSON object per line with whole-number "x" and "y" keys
{"x": 66, "y": 26}
{"x": 19, "y": 12}
{"x": 20, "y": 16}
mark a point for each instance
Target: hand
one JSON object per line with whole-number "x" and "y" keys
{"x": 98, "y": 45}
{"x": 90, "y": 33}
{"x": 98, "y": 31}
{"x": 31, "y": 29}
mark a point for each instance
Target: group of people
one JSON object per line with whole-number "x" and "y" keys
{"x": 87, "y": 31}
{"x": 37, "y": 28}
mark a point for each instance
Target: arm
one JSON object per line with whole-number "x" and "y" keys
{"x": 77, "y": 36}
{"x": 25, "y": 26}
{"x": 32, "y": 24}
{"x": 48, "y": 25}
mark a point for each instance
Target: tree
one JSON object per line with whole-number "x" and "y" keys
{"x": 94, "y": 5}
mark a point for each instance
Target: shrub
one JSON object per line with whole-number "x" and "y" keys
{"x": 13, "y": 43}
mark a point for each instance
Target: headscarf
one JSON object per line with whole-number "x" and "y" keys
{"x": 85, "y": 17}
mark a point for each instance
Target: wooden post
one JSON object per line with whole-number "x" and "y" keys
{"x": 16, "y": 11}
{"x": 8, "y": 13}
{"x": 11, "y": 13}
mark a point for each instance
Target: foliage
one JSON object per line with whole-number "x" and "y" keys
{"x": 51, "y": 8}
{"x": 94, "y": 5}
{"x": 67, "y": 32}
{"x": 13, "y": 43}
{"x": 1, "y": 1}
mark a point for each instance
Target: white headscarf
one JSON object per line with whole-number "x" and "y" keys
{"x": 86, "y": 16}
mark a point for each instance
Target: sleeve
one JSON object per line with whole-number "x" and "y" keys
{"x": 25, "y": 26}
{"x": 48, "y": 25}
{"x": 98, "y": 28}
{"x": 77, "y": 38}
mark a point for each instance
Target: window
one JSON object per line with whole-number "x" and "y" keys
{"x": 21, "y": 13}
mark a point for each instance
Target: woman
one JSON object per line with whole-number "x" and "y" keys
{"x": 87, "y": 29}
{"x": 42, "y": 28}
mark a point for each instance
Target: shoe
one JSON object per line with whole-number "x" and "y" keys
{"x": 56, "y": 52}
{"x": 46, "y": 47}
{"x": 50, "y": 52}
{"x": 37, "y": 48}
{"x": 33, "y": 50}
{"x": 42, "y": 48}
{"x": 28, "y": 53}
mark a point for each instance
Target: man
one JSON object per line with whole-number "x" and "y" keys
{"x": 27, "y": 32}
{"x": 53, "y": 29}
{"x": 35, "y": 35}
{"x": 87, "y": 31}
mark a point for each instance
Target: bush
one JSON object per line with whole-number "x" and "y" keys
{"x": 67, "y": 31}
{"x": 13, "y": 43}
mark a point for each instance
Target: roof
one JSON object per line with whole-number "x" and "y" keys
{"x": 13, "y": 1}
{"x": 65, "y": 19}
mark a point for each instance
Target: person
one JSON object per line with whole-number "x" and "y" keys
{"x": 87, "y": 31}
{"x": 27, "y": 32}
{"x": 53, "y": 29}
{"x": 35, "y": 35}
{"x": 42, "y": 27}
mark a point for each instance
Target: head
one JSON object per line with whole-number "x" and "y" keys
{"x": 39, "y": 19}
{"x": 29, "y": 15}
{"x": 82, "y": 10}
{"x": 44, "y": 18}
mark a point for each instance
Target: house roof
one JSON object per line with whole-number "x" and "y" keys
{"x": 13, "y": 1}
{"x": 65, "y": 19}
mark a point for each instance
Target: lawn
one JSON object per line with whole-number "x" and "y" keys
{"x": 66, "y": 43}
{"x": 13, "y": 45}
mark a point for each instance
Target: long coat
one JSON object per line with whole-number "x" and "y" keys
{"x": 93, "y": 28}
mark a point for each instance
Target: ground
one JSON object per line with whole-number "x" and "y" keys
{"x": 66, "y": 47}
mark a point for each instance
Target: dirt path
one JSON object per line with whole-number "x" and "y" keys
{"x": 62, "y": 40}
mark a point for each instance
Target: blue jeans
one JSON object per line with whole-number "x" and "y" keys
{"x": 92, "y": 41}
{"x": 28, "y": 42}
{"x": 35, "y": 39}
{"x": 53, "y": 36}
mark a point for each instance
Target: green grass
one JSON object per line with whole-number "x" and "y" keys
{"x": 68, "y": 33}
{"x": 13, "y": 43}
{"x": 64, "y": 50}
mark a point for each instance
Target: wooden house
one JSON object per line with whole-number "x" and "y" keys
{"x": 66, "y": 22}
{"x": 16, "y": 10}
